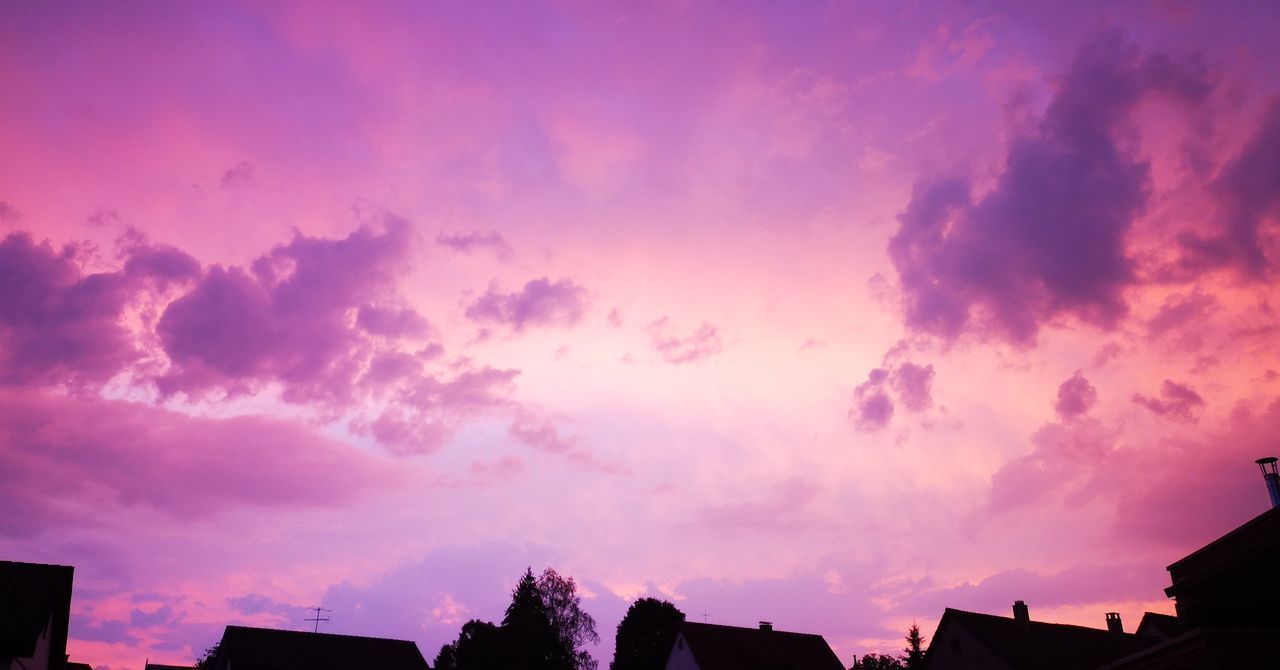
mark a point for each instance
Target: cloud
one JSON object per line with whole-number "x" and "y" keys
{"x": 1076, "y": 397}
{"x": 1176, "y": 401}
{"x": 1063, "y": 457}
{"x": 541, "y": 434}
{"x": 240, "y": 174}
{"x": 68, "y": 462}
{"x": 697, "y": 345}
{"x": 1077, "y": 585}
{"x": 1049, "y": 240}
{"x": 1180, "y": 309}
{"x": 59, "y": 325}
{"x": 541, "y": 303}
{"x": 473, "y": 241}
{"x": 872, "y": 407}
{"x": 287, "y": 318}
{"x": 913, "y": 385}
{"x": 1247, "y": 191}
{"x": 392, "y": 322}
{"x": 9, "y": 213}
{"x": 424, "y": 413}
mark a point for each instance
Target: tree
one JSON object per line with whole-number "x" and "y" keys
{"x": 574, "y": 628}
{"x": 912, "y": 656}
{"x": 205, "y": 661}
{"x": 527, "y": 631}
{"x": 480, "y": 646}
{"x": 876, "y": 662}
{"x": 445, "y": 659}
{"x": 645, "y": 635}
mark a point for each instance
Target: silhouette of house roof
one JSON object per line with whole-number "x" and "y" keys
{"x": 246, "y": 648}
{"x": 718, "y": 647}
{"x": 1162, "y": 626}
{"x": 1231, "y": 581}
{"x": 72, "y": 665}
{"x": 33, "y": 596}
{"x": 1032, "y": 645}
{"x": 159, "y": 666}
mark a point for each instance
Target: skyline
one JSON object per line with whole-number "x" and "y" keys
{"x": 832, "y": 315}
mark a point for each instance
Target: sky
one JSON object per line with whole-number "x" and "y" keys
{"x": 832, "y": 314}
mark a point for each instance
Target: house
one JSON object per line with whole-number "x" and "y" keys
{"x": 158, "y": 666}
{"x": 1226, "y": 596}
{"x": 244, "y": 648}
{"x": 73, "y": 665}
{"x": 970, "y": 640}
{"x": 35, "y": 609}
{"x": 703, "y": 646}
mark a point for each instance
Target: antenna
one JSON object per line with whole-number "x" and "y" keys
{"x": 317, "y": 618}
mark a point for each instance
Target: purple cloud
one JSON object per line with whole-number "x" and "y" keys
{"x": 872, "y": 407}
{"x": 1076, "y": 397}
{"x": 80, "y": 459}
{"x": 913, "y": 386}
{"x": 59, "y": 325}
{"x": 1049, "y": 239}
{"x": 1248, "y": 194}
{"x": 701, "y": 343}
{"x": 392, "y": 322}
{"x": 9, "y": 213}
{"x": 1176, "y": 401}
{"x": 473, "y": 241}
{"x": 286, "y": 319}
{"x": 240, "y": 174}
{"x": 1178, "y": 310}
{"x": 540, "y": 303}
{"x": 424, "y": 414}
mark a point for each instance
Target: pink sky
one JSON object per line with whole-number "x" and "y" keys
{"x": 831, "y": 314}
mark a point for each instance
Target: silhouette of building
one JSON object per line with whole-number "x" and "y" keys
{"x": 1226, "y": 595}
{"x": 704, "y": 646}
{"x": 35, "y": 609}
{"x": 78, "y": 666}
{"x": 244, "y": 648}
{"x": 158, "y": 666}
{"x": 971, "y": 640}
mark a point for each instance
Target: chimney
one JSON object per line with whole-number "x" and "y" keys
{"x": 1272, "y": 479}
{"x": 1020, "y": 613}
{"x": 766, "y": 625}
{"x": 1113, "y": 622}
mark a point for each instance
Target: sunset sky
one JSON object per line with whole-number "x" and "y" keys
{"x": 832, "y": 314}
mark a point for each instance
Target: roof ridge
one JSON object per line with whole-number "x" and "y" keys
{"x": 303, "y": 632}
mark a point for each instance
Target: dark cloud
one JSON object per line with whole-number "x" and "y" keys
{"x": 286, "y": 319}
{"x": 540, "y": 303}
{"x": 872, "y": 407}
{"x": 1178, "y": 310}
{"x": 392, "y": 322}
{"x": 240, "y": 174}
{"x": 59, "y": 325}
{"x": 1049, "y": 239}
{"x": 1076, "y": 397}
{"x": 1247, "y": 190}
{"x": 697, "y": 345}
{"x": 913, "y": 385}
{"x": 471, "y": 242}
{"x": 1176, "y": 401}
{"x": 67, "y": 462}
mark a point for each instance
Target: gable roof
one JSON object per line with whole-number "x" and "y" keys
{"x": 1037, "y": 645}
{"x": 1162, "y": 626}
{"x": 718, "y": 647}
{"x": 269, "y": 649}
{"x": 32, "y": 596}
{"x": 160, "y": 666}
{"x": 74, "y": 665}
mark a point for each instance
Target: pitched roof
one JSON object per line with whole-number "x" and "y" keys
{"x": 731, "y": 648}
{"x": 268, "y": 649}
{"x": 32, "y": 596}
{"x": 159, "y": 666}
{"x": 1037, "y": 645}
{"x": 1162, "y": 626}
{"x": 74, "y": 665}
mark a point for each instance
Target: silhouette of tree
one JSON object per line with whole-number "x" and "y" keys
{"x": 544, "y": 628}
{"x": 645, "y": 635}
{"x": 876, "y": 662}
{"x": 574, "y": 628}
{"x": 480, "y": 646}
{"x": 445, "y": 658}
{"x": 205, "y": 661}
{"x": 912, "y": 656}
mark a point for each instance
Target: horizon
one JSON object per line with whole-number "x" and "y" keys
{"x": 829, "y": 314}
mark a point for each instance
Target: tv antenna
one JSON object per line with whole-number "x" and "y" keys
{"x": 317, "y": 618}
